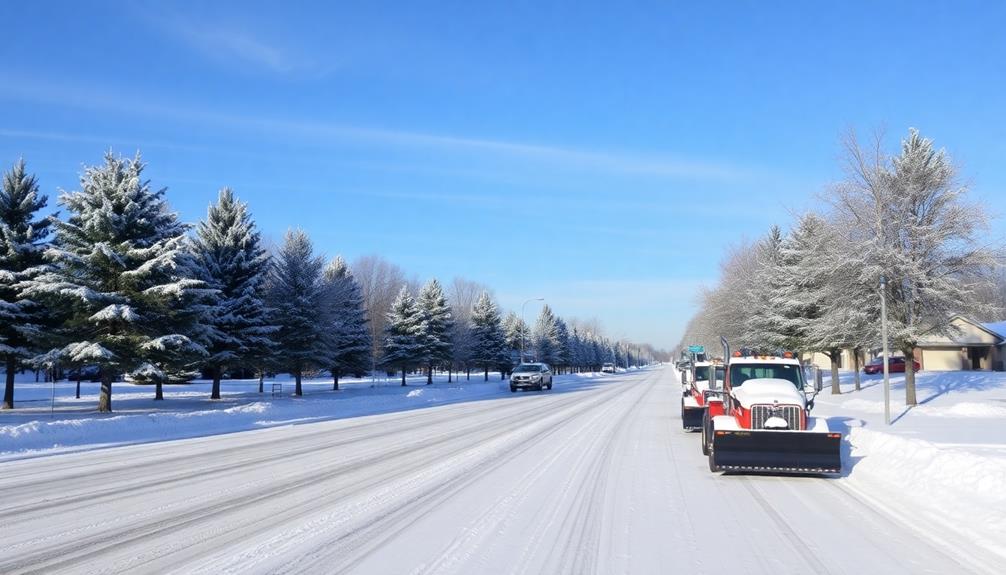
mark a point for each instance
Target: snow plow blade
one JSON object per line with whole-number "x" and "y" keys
{"x": 776, "y": 451}
{"x": 691, "y": 417}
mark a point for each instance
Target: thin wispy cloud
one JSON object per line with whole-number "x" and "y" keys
{"x": 320, "y": 132}
{"x": 224, "y": 41}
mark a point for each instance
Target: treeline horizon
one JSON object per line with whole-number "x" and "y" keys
{"x": 121, "y": 283}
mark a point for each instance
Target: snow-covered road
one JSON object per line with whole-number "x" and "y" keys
{"x": 595, "y": 476}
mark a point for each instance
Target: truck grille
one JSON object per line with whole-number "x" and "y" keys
{"x": 761, "y": 413}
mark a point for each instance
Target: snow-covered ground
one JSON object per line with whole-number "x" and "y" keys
{"x": 595, "y": 476}
{"x": 41, "y": 425}
{"x": 944, "y": 461}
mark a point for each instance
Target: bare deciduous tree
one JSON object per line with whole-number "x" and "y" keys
{"x": 380, "y": 281}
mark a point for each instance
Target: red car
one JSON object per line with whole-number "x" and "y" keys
{"x": 894, "y": 365}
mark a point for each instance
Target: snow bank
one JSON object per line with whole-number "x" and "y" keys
{"x": 35, "y": 436}
{"x": 949, "y": 486}
{"x": 967, "y": 409}
{"x": 941, "y": 462}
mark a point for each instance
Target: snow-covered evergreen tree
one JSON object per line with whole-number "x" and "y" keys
{"x": 461, "y": 347}
{"x": 849, "y": 308}
{"x": 348, "y": 335}
{"x": 546, "y": 336}
{"x": 115, "y": 262}
{"x": 295, "y": 294}
{"x": 795, "y": 301}
{"x": 404, "y": 336}
{"x": 577, "y": 353}
{"x": 228, "y": 256}
{"x": 438, "y": 325}
{"x": 488, "y": 339}
{"x": 562, "y": 343}
{"x": 597, "y": 353}
{"x": 515, "y": 332}
{"x": 763, "y": 323}
{"x": 23, "y": 236}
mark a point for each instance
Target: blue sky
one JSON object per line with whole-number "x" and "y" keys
{"x": 599, "y": 155}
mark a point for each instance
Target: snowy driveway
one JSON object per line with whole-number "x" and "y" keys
{"x": 593, "y": 477}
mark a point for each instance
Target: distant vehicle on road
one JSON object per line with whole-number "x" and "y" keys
{"x": 894, "y": 365}
{"x": 608, "y": 368}
{"x": 531, "y": 376}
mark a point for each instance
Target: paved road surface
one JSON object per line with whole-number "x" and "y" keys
{"x": 592, "y": 477}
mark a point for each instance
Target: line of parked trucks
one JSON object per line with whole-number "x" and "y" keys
{"x": 753, "y": 412}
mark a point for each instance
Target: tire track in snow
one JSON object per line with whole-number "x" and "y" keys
{"x": 580, "y": 527}
{"x": 361, "y": 542}
{"x": 494, "y": 519}
{"x": 164, "y": 467}
{"x": 79, "y": 548}
{"x": 794, "y": 539}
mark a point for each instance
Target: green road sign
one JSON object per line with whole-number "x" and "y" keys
{"x": 696, "y": 349}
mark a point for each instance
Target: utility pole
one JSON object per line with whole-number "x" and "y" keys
{"x": 883, "y": 336}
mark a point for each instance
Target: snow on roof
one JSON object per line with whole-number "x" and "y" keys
{"x": 997, "y": 327}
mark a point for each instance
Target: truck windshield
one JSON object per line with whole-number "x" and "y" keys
{"x": 702, "y": 372}
{"x": 739, "y": 373}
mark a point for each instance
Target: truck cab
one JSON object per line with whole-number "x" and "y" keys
{"x": 763, "y": 421}
{"x": 699, "y": 390}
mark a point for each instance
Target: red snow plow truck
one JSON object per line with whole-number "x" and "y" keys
{"x": 763, "y": 422}
{"x": 701, "y": 388}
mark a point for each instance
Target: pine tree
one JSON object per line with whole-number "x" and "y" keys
{"x": 546, "y": 336}
{"x": 562, "y": 341}
{"x": 461, "y": 347}
{"x": 348, "y": 336}
{"x": 438, "y": 324}
{"x": 228, "y": 256}
{"x": 515, "y": 332}
{"x": 796, "y": 298}
{"x": 23, "y": 239}
{"x": 849, "y": 308}
{"x": 488, "y": 339}
{"x": 763, "y": 323}
{"x": 295, "y": 293}
{"x": 115, "y": 263}
{"x": 404, "y": 345}
{"x": 576, "y": 347}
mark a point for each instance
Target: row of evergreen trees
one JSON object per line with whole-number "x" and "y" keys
{"x": 123, "y": 284}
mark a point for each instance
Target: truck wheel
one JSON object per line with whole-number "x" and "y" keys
{"x": 550, "y": 385}
{"x": 712, "y": 464}
{"x": 706, "y": 435}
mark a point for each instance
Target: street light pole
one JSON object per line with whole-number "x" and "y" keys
{"x": 883, "y": 336}
{"x": 523, "y": 324}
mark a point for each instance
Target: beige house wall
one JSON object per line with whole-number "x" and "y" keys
{"x": 942, "y": 353}
{"x": 942, "y": 359}
{"x": 970, "y": 334}
{"x": 845, "y": 362}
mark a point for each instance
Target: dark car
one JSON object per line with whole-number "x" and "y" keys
{"x": 894, "y": 365}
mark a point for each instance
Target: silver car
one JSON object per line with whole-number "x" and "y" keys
{"x": 531, "y": 376}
